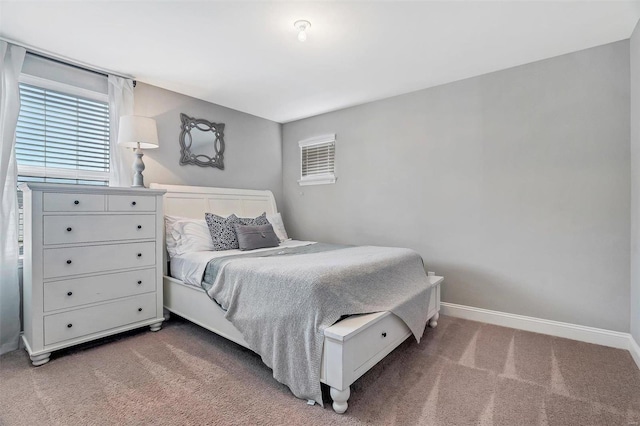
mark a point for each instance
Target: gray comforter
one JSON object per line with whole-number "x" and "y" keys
{"x": 282, "y": 300}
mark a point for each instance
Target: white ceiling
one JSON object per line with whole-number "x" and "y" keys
{"x": 246, "y": 55}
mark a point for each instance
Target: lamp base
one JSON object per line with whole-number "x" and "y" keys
{"x": 138, "y": 168}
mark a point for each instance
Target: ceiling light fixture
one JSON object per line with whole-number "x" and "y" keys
{"x": 302, "y": 26}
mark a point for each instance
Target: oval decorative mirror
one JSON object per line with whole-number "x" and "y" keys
{"x": 201, "y": 142}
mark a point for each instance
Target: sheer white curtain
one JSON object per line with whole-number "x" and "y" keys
{"x": 11, "y": 59}
{"x": 120, "y": 103}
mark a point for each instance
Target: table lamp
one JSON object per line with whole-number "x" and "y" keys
{"x": 138, "y": 132}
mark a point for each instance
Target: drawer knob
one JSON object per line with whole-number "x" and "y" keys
{"x": 139, "y": 309}
{"x": 70, "y": 293}
{"x": 76, "y": 202}
{"x": 69, "y": 229}
{"x": 384, "y": 334}
{"x": 69, "y": 262}
{"x": 139, "y": 226}
{"x": 133, "y": 203}
{"x": 69, "y": 325}
{"x": 139, "y": 254}
{"x": 139, "y": 282}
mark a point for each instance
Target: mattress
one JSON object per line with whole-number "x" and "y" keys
{"x": 189, "y": 267}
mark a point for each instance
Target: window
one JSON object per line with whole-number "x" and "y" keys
{"x": 317, "y": 160}
{"x": 62, "y": 135}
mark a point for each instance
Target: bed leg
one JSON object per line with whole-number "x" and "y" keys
{"x": 433, "y": 322}
{"x": 340, "y": 398}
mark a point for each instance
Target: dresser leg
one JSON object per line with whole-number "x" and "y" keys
{"x": 156, "y": 326}
{"x": 433, "y": 322}
{"x": 41, "y": 359}
{"x": 340, "y": 398}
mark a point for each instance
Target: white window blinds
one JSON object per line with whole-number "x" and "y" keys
{"x": 317, "y": 160}
{"x": 61, "y": 135}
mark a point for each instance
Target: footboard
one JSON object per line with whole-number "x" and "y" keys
{"x": 351, "y": 346}
{"x": 354, "y": 345}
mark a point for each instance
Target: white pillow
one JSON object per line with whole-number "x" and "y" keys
{"x": 194, "y": 236}
{"x": 172, "y": 238}
{"x": 278, "y": 226}
{"x": 184, "y": 235}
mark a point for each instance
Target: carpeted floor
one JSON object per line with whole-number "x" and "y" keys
{"x": 463, "y": 373}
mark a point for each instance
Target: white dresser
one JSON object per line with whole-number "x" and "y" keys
{"x": 92, "y": 264}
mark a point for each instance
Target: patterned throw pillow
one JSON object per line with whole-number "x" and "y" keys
{"x": 223, "y": 232}
{"x": 260, "y": 220}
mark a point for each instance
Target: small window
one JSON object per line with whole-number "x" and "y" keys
{"x": 318, "y": 160}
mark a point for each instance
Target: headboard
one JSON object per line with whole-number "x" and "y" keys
{"x": 195, "y": 201}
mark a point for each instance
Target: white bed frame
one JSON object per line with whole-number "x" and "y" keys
{"x": 351, "y": 346}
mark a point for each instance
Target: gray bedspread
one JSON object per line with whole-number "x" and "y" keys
{"x": 282, "y": 300}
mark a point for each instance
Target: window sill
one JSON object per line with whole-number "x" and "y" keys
{"x": 317, "y": 181}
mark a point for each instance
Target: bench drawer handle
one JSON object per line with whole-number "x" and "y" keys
{"x": 384, "y": 334}
{"x": 69, "y": 325}
{"x": 69, "y": 293}
{"x": 76, "y": 202}
{"x": 69, "y": 229}
{"x": 139, "y": 282}
{"x": 139, "y": 226}
{"x": 139, "y": 309}
{"x": 69, "y": 262}
{"x": 139, "y": 254}
{"x": 133, "y": 203}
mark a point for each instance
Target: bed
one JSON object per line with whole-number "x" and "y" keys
{"x": 350, "y": 347}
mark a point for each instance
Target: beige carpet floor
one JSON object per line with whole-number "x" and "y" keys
{"x": 463, "y": 373}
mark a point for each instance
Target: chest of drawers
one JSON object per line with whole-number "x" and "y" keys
{"x": 92, "y": 264}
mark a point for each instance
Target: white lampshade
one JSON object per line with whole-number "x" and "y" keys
{"x": 135, "y": 130}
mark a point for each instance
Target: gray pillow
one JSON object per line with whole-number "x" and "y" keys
{"x": 223, "y": 233}
{"x": 251, "y": 237}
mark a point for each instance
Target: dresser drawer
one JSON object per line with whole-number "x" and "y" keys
{"x": 81, "y": 229}
{"x": 81, "y": 291}
{"x": 61, "y": 262}
{"x": 131, "y": 203}
{"x": 377, "y": 338}
{"x": 59, "y": 202}
{"x": 85, "y": 321}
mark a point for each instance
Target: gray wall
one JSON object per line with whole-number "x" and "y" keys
{"x": 635, "y": 183}
{"x": 253, "y": 157}
{"x": 513, "y": 185}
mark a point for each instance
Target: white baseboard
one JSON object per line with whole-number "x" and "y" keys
{"x": 614, "y": 339}
{"x": 634, "y": 350}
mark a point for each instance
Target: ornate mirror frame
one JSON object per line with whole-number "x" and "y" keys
{"x": 186, "y": 140}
